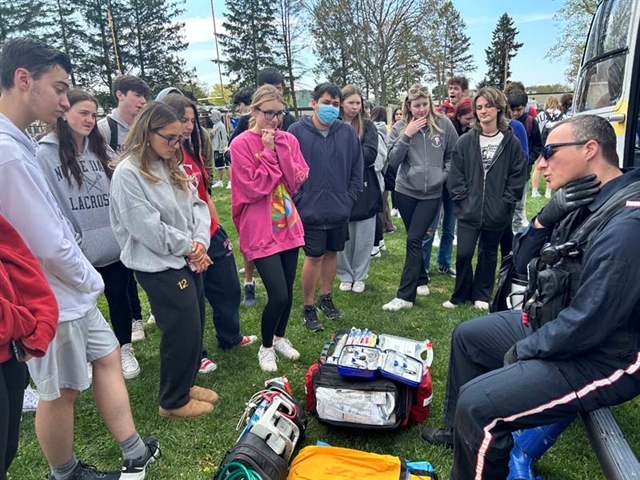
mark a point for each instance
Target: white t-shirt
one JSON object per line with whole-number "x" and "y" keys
{"x": 488, "y": 148}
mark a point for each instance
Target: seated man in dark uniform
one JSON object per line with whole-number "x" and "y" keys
{"x": 578, "y": 347}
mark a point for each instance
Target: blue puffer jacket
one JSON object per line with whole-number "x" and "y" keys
{"x": 335, "y": 173}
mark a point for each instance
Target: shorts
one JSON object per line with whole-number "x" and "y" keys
{"x": 65, "y": 364}
{"x": 318, "y": 241}
{"x": 221, "y": 160}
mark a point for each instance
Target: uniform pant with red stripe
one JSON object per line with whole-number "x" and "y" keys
{"x": 485, "y": 402}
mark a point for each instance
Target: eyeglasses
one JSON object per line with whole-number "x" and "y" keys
{"x": 171, "y": 140}
{"x": 419, "y": 90}
{"x": 271, "y": 114}
{"x": 551, "y": 148}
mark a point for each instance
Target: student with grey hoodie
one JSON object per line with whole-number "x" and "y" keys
{"x": 75, "y": 161}
{"x": 420, "y": 146}
{"x": 163, "y": 229}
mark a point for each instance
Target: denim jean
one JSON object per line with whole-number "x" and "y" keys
{"x": 445, "y": 251}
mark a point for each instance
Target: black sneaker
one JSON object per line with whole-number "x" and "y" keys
{"x": 310, "y": 319}
{"x": 250, "y": 294}
{"x": 442, "y": 437}
{"x": 448, "y": 270}
{"x": 89, "y": 472}
{"x": 326, "y": 306}
{"x": 135, "y": 469}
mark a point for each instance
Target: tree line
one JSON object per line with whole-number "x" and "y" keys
{"x": 104, "y": 38}
{"x": 382, "y": 46}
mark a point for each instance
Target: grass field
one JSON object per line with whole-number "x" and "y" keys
{"x": 193, "y": 449}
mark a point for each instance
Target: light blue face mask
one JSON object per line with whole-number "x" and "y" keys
{"x": 327, "y": 114}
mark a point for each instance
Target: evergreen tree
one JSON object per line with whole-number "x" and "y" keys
{"x": 66, "y": 33}
{"x": 106, "y": 56}
{"x": 155, "y": 42}
{"x": 502, "y": 50}
{"x": 446, "y": 47}
{"x": 22, "y": 17}
{"x": 250, "y": 44}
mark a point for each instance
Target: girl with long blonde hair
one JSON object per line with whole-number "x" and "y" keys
{"x": 420, "y": 146}
{"x": 268, "y": 170}
{"x": 163, "y": 229}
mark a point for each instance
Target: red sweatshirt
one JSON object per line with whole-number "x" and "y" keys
{"x": 28, "y": 308}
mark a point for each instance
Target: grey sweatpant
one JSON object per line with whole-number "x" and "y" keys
{"x": 353, "y": 261}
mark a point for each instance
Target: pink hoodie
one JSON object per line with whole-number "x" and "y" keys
{"x": 263, "y": 183}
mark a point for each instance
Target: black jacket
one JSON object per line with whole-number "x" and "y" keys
{"x": 369, "y": 201}
{"x": 486, "y": 201}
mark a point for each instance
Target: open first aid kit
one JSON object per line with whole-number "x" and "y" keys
{"x": 369, "y": 380}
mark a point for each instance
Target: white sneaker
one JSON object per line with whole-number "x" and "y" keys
{"x": 455, "y": 240}
{"x": 479, "y": 304}
{"x": 394, "y": 212}
{"x": 448, "y": 304}
{"x": 345, "y": 286}
{"x": 547, "y": 193}
{"x": 229, "y": 186}
{"x": 535, "y": 194}
{"x": 396, "y": 304}
{"x": 423, "y": 290}
{"x": 283, "y": 345}
{"x": 218, "y": 184}
{"x": 436, "y": 240}
{"x": 152, "y": 319}
{"x": 267, "y": 359}
{"x": 137, "y": 331}
{"x": 30, "y": 399}
{"x": 375, "y": 252}
{"x": 130, "y": 366}
{"x": 383, "y": 246}
{"x": 358, "y": 287}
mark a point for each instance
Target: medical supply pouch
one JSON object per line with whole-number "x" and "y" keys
{"x": 367, "y": 401}
{"x": 335, "y": 463}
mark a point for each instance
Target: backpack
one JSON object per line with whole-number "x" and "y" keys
{"x": 113, "y": 126}
{"x": 550, "y": 122}
{"x": 381, "y": 164}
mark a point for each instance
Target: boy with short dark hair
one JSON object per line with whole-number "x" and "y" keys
{"x": 518, "y": 101}
{"x": 457, "y": 89}
{"x": 333, "y": 152}
{"x": 131, "y": 93}
{"x": 34, "y": 82}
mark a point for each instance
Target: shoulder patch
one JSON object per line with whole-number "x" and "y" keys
{"x": 633, "y": 204}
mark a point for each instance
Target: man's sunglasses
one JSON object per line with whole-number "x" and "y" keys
{"x": 271, "y": 114}
{"x": 550, "y": 149}
{"x": 171, "y": 140}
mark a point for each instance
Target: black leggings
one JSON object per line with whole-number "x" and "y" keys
{"x": 278, "y": 273}
{"x": 13, "y": 379}
{"x": 117, "y": 285}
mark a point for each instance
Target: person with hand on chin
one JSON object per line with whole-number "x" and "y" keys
{"x": 269, "y": 169}
{"x": 420, "y": 146}
{"x": 163, "y": 229}
{"x": 333, "y": 152}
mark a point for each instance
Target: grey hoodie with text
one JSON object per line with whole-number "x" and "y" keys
{"x": 123, "y": 129}
{"x": 86, "y": 208}
{"x": 422, "y": 160}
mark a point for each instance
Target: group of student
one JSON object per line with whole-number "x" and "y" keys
{"x": 128, "y": 198}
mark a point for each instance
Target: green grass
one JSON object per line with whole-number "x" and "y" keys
{"x": 193, "y": 449}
